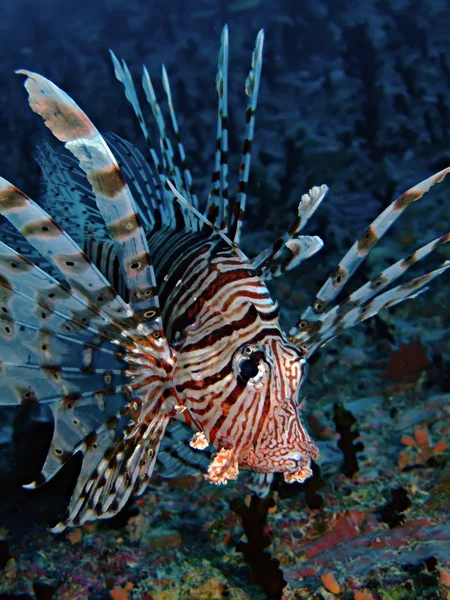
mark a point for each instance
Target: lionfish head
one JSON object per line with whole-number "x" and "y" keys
{"x": 248, "y": 408}
{"x": 281, "y": 443}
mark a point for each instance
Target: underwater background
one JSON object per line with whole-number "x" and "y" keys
{"x": 354, "y": 94}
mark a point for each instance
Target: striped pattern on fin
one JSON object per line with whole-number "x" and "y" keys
{"x": 318, "y": 325}
{"x": 123, "y": 75}
{"x": 176, "y": 456}
{"x": 71, "y": 125}
{"x": 115, "y": 465}
{"x": 288, "y": 250}
{"x": 252, "y": 90}
{"x": 141, "y": 180}
{"x": 103, "y": 254}
{"x": 68, "y": 197}
{"x": 217, "y": 207}
{"x": 65, "y": 189}
{"x": 58, "y": 351}
{"x": 53, "y": 243}
{"x": 370, "y": 299}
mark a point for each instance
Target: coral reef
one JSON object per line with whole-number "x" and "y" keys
{"x": 345, "y": 421}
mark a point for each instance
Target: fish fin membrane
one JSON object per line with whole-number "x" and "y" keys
{"x": 114, "y": 467}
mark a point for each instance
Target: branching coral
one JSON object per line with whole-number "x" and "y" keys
{"x": 265, "y": 569}
{"x": 345, "y": 423}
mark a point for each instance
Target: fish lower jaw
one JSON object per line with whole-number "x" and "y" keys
{"x": 299, "y": 475}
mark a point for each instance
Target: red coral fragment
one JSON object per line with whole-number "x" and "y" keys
{"x": 347, "y": 526}
{"x": 406, "y": 364}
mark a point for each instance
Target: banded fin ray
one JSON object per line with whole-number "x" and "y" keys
{"x": 73, "y": 127}
{"x": 271, "y": 262}
{"x": 138, "y": 175}
{"x": 314, "y": 327}
{"x": 123, "y": 75}
{"x": 217, "y": 208}
{"x": 187, "y": 176}
{"x": 53, "y": 243}
{"x": 166, "y": 167}
{"x": 115, "y": 465}
{"x": 170, "y": 167}
{"x": 370, "y": 299}
{"x": 252, "y": 90}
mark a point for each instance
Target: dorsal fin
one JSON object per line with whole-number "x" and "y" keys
{"x": 252, "y": 90}
{"x": 170, "y": 166}
{"x": 216, "y": 210}
{"x": 123, "y": 75}
{"x": 288, "y": 250}
{"x": 71, "y": 125}
{"x": 67, "y": 195}
{"x": 205, "y": 221}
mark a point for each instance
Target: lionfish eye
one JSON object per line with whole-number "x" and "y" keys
{"x": 248, "y": 369}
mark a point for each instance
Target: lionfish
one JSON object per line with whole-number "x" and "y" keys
{"x": 153, "y": 314}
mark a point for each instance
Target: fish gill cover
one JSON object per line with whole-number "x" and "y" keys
{"x": 352, "y": 96}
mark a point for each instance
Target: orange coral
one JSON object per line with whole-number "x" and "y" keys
{"x": 121, "y": 593}
{"x": 444, "y": 576}
{"x": 363, "y": 595}
{"x": 419, "y": 447}
{"x": 75, "y": 536}
{"x": 330, "y": 582}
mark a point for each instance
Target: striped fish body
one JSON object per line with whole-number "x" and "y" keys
{"x": 143, "y": 311}
{"x": 237, "y": 377}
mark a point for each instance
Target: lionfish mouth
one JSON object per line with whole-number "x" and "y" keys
{"x": 300, "y": 474}
{"x": 302, "y": 469}
{"x": 295, "y": 465}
